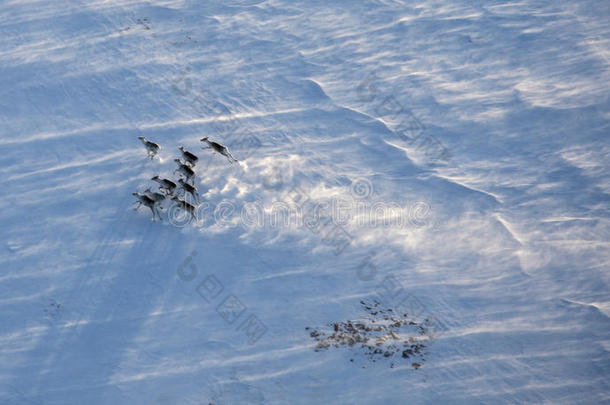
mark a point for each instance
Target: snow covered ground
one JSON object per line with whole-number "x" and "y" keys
{"x": 460, "y": 147}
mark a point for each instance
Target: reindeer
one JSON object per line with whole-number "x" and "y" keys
{"x": 188, "y": 157}
{"x": 186, "y": 207}
{"x": 147, "y": 201}
{"x": 164, "y": 184}
{"x": 223, "y": 150}
{"x": 156, "y": 197}
{"x": 150, "y": 146}
{"x": 185, "y": 170}
{"x": 187, "y": 188}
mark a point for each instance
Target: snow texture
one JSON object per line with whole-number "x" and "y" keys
{"x": 448, "y": 159}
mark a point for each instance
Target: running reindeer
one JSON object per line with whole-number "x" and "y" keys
{"x": 158, "y": 198}
{"x": 223, "y": 150}
{"x": 190, "y": 208}
{"x": 145, "y": 200}
{"x": 191, "y": 189}
{"x": 150, "y": 146}
{"x": 165, "y": 185}
{"x": 188, "y": 157}
{"x": 185, "y": 170}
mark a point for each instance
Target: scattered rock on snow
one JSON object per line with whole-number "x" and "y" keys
{"x": 381, "y": 334}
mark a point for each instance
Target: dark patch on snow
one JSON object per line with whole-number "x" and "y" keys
{"x": 383, "y": 333}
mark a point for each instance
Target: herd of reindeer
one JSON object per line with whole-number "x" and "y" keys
{"x": 177, "y": 191}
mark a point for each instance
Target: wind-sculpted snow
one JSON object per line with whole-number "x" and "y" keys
{"x": 448, "y": 160}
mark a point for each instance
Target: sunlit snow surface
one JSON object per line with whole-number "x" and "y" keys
{"x": 505, "y": 240}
